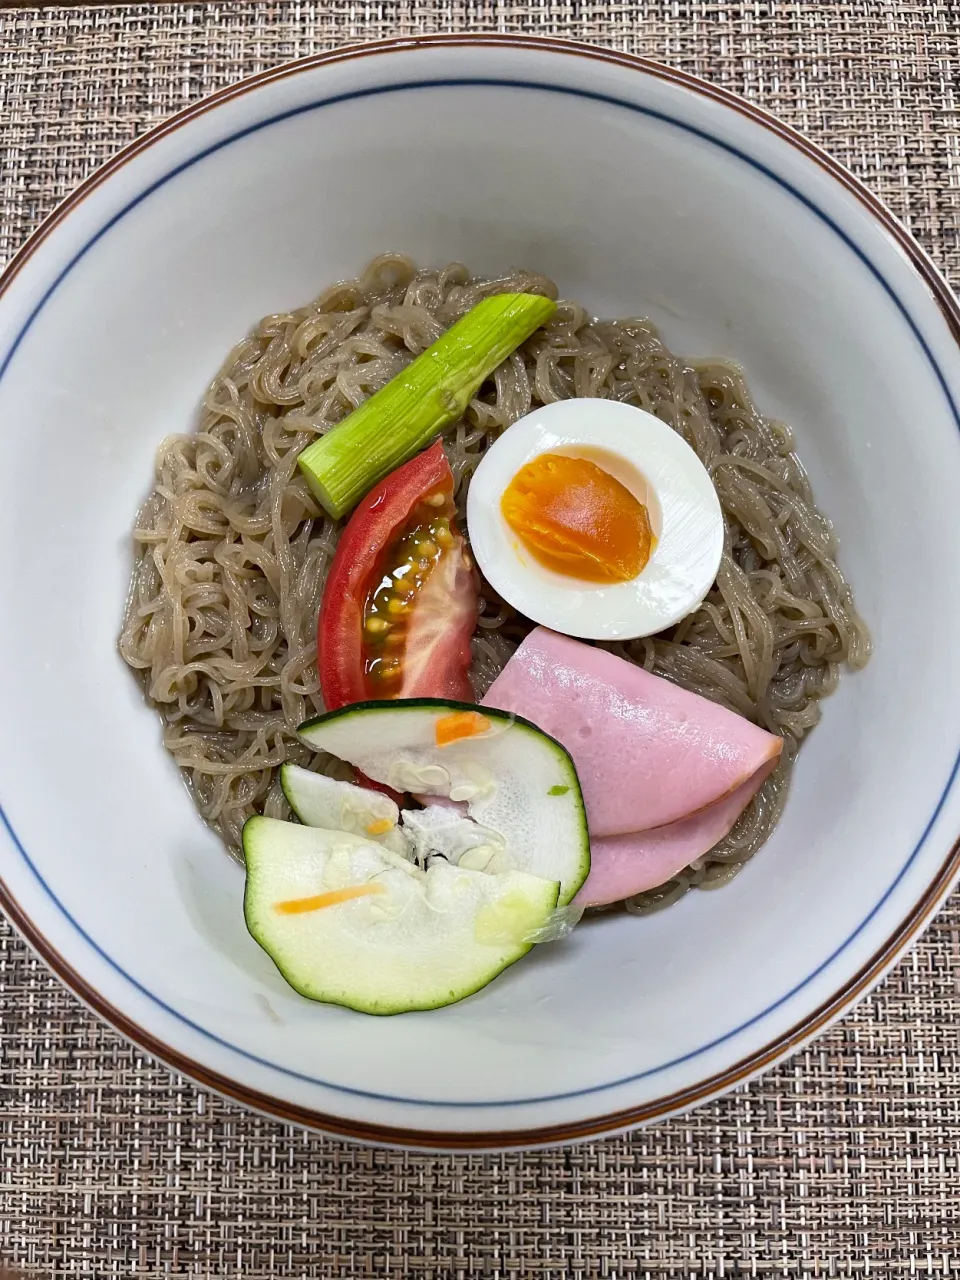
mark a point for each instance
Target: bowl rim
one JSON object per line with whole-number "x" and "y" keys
{"x": 751, "y": 1064}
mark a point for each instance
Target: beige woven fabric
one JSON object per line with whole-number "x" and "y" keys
{"x": 843, "y": 1162}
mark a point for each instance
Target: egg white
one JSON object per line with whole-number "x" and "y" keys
{"x": 660, "y": 470}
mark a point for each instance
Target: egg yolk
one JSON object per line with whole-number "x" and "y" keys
{"x": 577, "y": 519}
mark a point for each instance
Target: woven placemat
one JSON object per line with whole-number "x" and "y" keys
{"x": 843, "y": 1162}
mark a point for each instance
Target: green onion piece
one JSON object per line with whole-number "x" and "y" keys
{"x": 429, "y": 393}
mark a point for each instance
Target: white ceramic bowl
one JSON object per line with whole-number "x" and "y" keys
{"x": 641, "y": 191}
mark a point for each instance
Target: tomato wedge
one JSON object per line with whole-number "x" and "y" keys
{"x": 400, "y": 602}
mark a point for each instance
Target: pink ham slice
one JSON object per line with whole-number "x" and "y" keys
{"x": 665, "y": 773}
{"x": 621, "y": 866}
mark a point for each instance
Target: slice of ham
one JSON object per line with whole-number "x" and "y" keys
{"x": 621, "y": 866}
{"x": 665, "y": 773}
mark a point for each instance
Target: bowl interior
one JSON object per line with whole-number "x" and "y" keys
{"x": 633, "y": 214}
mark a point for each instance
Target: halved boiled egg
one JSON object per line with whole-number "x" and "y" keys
{"x": 596, "y": 519}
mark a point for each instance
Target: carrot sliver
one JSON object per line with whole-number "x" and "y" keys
{"x": 296, "y": 906}
{"x": 379, "y": 827}
{"x": 460, "y": 724}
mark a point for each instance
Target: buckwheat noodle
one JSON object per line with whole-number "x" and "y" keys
{"x": 231, "y": 550}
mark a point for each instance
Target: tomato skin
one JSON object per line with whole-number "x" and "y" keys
{"x": 440, "y": 664}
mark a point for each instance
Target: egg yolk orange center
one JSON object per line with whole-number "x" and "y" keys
{"x": 577, "y": 519}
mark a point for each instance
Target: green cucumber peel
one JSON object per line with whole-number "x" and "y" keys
{"x": 431, "y": 392}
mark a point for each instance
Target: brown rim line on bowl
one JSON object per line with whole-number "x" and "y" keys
{"x": 802, "y": 1031}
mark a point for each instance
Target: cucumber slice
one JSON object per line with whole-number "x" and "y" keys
{"x": 399, "y": 938}
{"x": 319, "y": 801}
{"x": 514, "y": 779}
